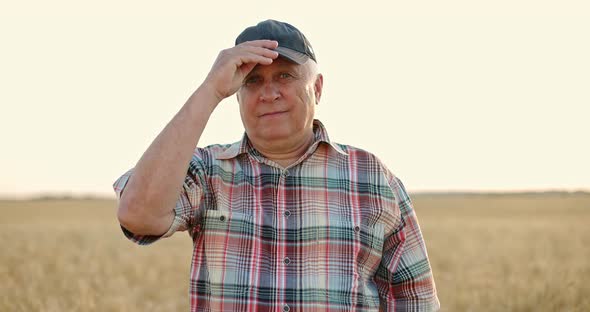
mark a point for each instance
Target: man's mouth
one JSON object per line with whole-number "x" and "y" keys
{"x": 272, "y": 113}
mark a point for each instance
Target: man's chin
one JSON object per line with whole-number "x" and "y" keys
{"x": 273, "y": 133}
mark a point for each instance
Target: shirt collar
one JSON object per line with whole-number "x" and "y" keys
{"x": 243, "y": 146}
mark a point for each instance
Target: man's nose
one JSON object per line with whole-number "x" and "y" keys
{"x": 270, "y": 92}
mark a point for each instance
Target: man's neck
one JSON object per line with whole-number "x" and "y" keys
{"x": 284, "y": 152}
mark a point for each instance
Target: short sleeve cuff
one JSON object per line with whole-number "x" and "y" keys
{"x": 179, "y": 223}
{"x": 149, "y": 239}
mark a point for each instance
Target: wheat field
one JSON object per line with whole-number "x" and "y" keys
{"x": 501, "y": 252}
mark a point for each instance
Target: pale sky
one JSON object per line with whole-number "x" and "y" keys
{"x": 451, "y": 95}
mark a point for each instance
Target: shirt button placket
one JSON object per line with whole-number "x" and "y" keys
{"x": 286, "y": 213}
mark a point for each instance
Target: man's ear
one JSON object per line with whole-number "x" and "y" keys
{"x": 318, "y": 85}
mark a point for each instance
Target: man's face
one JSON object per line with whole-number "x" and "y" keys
{"x": 277, "y": 101}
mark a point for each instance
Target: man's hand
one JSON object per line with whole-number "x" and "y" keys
{"x": 233, "y": 65}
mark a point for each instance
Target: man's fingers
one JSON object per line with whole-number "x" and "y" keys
{"x": 250, "y": 57}
{"x": 262, "y": 51}
{"x": 260, "y": 47}
{"x": 269, "y": 44}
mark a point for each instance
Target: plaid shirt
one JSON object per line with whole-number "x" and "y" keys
{"x": 335, "y": 231}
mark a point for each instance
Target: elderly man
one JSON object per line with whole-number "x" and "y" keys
{"x": 285, "y": 219}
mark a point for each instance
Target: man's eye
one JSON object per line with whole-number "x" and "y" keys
{"x": 251, "y": 80}
{"x": 285, "y": 75}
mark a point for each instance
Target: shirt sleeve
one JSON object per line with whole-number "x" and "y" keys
{"x": 188, "y": 201}
{"x": 405, "y": 275}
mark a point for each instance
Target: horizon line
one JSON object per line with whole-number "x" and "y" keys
{"x": 104, "y": 196}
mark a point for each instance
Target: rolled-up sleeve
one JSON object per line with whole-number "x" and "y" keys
{"x": 404, "y": 276}
{"x": 188, "y": 201}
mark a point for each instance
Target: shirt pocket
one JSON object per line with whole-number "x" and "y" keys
{"x": 227, "y": 239}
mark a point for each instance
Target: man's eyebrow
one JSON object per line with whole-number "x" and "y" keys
{"x": 290, "y": 69}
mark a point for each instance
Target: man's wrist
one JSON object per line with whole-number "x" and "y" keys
{"x": 210, "y": 92}
{"x": 204, "y": 99}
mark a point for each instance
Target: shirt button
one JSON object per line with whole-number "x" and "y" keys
{"x": 285, "y": 173}
{"x": 222, "y": 218}
{"x": 287, "y": 213}
{"x": 286, "y": 260}
{"x": 357, "y": 228}
{"x": 286, "y": 308}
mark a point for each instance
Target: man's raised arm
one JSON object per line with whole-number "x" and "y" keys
{"x": 146, "y": 206}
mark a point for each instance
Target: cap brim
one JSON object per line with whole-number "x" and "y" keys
{"x": 292, "y": 55}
